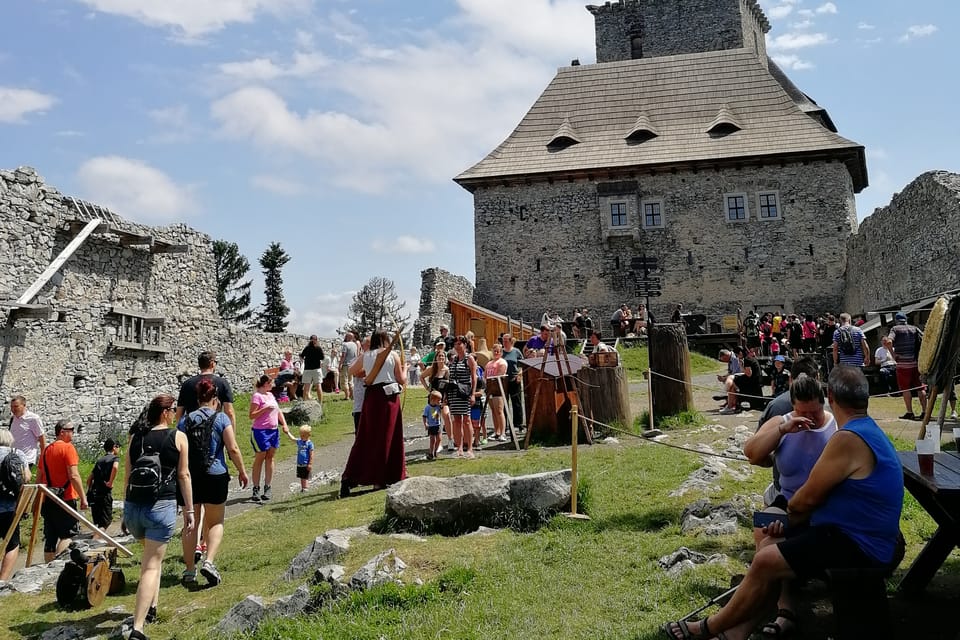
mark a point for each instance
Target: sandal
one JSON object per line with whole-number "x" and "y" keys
{"x": 776, "y": 630}
{"x": 671, "y": 628}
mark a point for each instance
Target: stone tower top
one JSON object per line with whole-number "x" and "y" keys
{"x": 631, "y": 29}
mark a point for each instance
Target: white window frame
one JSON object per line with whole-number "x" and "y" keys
{"x": 643, "y": 214}
{"x": 746, "y": 208}
{"x": 775, "y": 194}
{"x": 626, "y": 214}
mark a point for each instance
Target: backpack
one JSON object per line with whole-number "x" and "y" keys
{"x": 11, "y": 476}
{"x": 845, "y": 341}
{"x": 751, "y": 329}
{"x": 199, "y": 432}
{"x": 146, "y": 473}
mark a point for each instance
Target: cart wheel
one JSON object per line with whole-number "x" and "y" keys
{"x": 98, "y": 582}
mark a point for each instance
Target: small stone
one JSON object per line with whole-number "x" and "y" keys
{"x": 385, "y": 567}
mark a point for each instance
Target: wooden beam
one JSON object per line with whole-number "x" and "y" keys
{"x": 59, "y": 261}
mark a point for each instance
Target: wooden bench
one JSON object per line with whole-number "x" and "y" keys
{"x": 860, "y": 607}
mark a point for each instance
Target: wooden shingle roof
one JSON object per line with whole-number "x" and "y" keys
{"x": 683, "y": 95}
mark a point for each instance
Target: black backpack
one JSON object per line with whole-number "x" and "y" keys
{"x": 199, "y": 432}
{"x": 845, "y": 341}
{"x": 750, "y": 327}
{"x": 11, "y": 476}
{"x": 146, "y": 473}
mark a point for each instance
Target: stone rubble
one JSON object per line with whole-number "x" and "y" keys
{"x": 385, "y": 567}
{"x": 684, "y": 559}
{"x": 716, "y": 520}
{"x": 319, "y": 479}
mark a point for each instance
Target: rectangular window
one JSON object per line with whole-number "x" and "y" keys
{"x": 653, "y": 214}
{"x": 618, "y": 214}
{"x": 737, "y": 207}
{"x": 769, "y": 206}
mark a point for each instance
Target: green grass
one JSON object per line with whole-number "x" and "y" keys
{"x": 636, "y": 360}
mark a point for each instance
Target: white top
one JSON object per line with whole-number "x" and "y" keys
{"x": 884, "y": 357}
{"x": 26, "y": 431}
{"x": 385, "y": 376}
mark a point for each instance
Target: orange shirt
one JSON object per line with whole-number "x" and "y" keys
{"x": 59, "y": 457}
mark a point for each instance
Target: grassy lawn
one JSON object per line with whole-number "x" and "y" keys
{"x": 594, "y": 579}
{"x": 636, "y": 360}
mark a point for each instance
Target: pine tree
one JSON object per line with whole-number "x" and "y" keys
{"x": 233, "y": 292}
{"x": 273, "y": 316}
{"x": 376, "y": 305}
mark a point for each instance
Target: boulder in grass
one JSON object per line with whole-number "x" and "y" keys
{"x": 303, "y": 412}
{"x": 323, "y": 550}
{"x": 385, "y": 567}
{"x": 547, "y": 492}
{"x": 245, "y": 616}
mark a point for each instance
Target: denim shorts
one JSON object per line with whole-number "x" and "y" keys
{"x": 154, "y": 522}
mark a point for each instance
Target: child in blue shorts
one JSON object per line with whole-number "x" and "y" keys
{"x": 431, "y": 422}
{"x": 304, "y": 456}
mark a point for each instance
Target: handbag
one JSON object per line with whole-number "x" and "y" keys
{"x": 464, "y": 390}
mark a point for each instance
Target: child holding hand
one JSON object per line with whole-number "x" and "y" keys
{"x": 431, "y": 422}
{"x": 304, "y": 456}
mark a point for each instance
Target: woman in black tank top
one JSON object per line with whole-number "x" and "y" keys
{"x": 152, "y": 520}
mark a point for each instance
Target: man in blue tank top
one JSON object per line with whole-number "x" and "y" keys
{"x": 847, "y": 514}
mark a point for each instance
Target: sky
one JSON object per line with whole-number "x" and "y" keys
{"x": 335, "y": 127}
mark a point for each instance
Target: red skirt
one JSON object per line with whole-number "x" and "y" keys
{"x": 377, "y": 457}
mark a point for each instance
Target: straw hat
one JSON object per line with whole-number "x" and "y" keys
{"x": 482, "y": 354}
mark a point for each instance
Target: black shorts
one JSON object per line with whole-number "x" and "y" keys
{"x": 101, "y": 509}
{"x": 811, "y": 550}
{"x": 303, "y": 471}
{"x": 746, "y": 385}
{"x": 207, "y": 489}
{"x": 433, "y": 430}
{"x": 58, "y": 524}
{"x": 6, "y": 519}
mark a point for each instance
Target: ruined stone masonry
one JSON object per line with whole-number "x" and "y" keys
{"x": 121, "y": 321}
{"x": 437, "y": 287}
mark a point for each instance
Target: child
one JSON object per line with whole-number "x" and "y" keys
{"x": 100, "y": 484}
{"x": 431, "y": 422}
{"x": 304, "y": 456}
{"x": 780, "y": 380}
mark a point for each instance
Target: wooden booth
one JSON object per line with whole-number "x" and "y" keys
{"x": 486, "y": 323}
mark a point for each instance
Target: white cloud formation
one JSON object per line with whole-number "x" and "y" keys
{"x": 475, "y": 89}
{"x": 790, "y": 61}
{"x": 16, "y": 103}
{"x": 264, "y": 69}
{"x": 278, "y": 185}
{"x": 134, "y": 189}
{"x": 779, "y": 11}
{"x": 919, "y": 31}
{"x": 827, "y": 7}
{"x": 793, "y": 41}
{"x": 323, "y": 315}
{"x": 191, "y": 19}
{"x": 403, "y": 244}
{"x": 801, "y": 25}
{"x": 866, "y": 26}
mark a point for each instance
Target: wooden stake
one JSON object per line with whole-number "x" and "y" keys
{"x": 650, "y": 396}
{"x": 22, "y": 503}
{"x": 35, "y": 526}
{"x": 575, "y": 428}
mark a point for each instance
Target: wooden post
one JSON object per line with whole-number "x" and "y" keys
{"x": 574, "y": 429}
{"x": 650, "y": 396}
{"x": 35, "y": 525}
{"x": 671, "y": 358}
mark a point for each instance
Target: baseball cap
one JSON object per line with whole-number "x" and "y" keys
{"x": 779, "y": 359}
{"x": 901, "y": 317}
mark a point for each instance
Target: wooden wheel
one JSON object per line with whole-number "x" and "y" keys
{"x": 99, "y": 579}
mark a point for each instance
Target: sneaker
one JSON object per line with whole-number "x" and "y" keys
{"x": 256, "y": 494}
{"x": 267, "y": 493}
{"x": 209, "y": 571}
{"x": 451, "y": 446}
{"x": 483, "y": 441}
{"x": 137, "y": 635}
{"x": 908, "y": 416}
{"x": 188, "y": 577}
{"x": 728, "y": 411}
{"x": 953, "y": 416}
{"x": 439, "y": 448}
{"x": 152, "y": 614}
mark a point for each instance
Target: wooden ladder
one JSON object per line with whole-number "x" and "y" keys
{"x": 34, "y": 289}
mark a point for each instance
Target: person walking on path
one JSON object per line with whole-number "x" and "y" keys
{"x": 59, "y": 470}
{"x": 27, "y": 430}
{"x": 265, "y": 435}
{"x": 906, "y": 339}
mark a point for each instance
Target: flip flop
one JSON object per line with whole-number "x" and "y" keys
{"x": 671, "y": 628}
{"x": 776, "y": 630}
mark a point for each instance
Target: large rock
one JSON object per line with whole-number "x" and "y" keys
{"x": 715, "y": 520}
{"x": 33, "y": 579}
{"x": 243, "y": 617}
{"x": 288, "y": 606}
{"x": 303, "y": 412}
{"x": 468, "y": 502}
{"x": 323, "y": 550}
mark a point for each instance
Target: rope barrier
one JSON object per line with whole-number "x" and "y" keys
{"x": 666, "y": 444}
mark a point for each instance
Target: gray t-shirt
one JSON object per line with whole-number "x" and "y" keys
{"x": 348, "y": 354}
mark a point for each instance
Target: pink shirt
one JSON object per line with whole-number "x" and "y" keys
{"x": 495, "y": 368}
{"x": 270, "y": 419}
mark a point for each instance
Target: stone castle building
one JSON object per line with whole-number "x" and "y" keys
{"x": 684, "y": 142}
{"x": 93, "y": 337}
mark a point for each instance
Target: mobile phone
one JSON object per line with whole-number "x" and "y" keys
{"x": 762, "y": 519}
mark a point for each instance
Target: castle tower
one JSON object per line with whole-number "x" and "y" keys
{"x": 632, "y": 29}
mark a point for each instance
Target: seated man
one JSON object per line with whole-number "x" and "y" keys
{"x": 597, "y": 345}
{"x": 743, "y": 386}
{"x": 846, "y": 515}
{"x": 537, "y": 344}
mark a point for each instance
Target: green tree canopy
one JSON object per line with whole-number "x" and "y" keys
{"x": 376, "y": 305}
{"x": 233, "y": 290}
{"x": 273, "y": 316}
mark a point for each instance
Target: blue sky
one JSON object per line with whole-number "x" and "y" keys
{"x": 335, "y": 126}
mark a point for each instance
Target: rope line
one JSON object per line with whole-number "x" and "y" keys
{"x": 666, "y": 444}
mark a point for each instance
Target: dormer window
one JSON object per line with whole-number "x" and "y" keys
{"x": 566, "y": 136}
{"x": 725, "y": 123}
{"x": 643, "y": 130}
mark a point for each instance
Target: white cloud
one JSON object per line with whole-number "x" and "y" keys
{"x": 134, "y": 189}
{"x": 190, "y": 19}
{"x": 323, "y": 315}
{"x": 17, "y": 103}
{"x": 69, "y": 133}
{"x": 264, "y": 69}
{"x": 278, "y": 185}
{"x": 550, "y": 28}
{"x": 801, "y": 25}
{"x": 866, "y": 26}
{"x": 806, "y": 13}
{"x": 919, "y": 31}
{"x": 793, "y": 41}
{"x": 403, "y": 244}
{"x": 790, "y": 61}
{"x": 828, "y": 7}
{"x": 779, "y": 11}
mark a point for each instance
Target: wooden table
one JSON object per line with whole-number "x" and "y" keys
{"x": 939, "y": 495}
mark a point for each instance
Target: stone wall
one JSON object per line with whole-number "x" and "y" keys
{"x": 72, "y": 366}
{"x": 436, "y": 288}
{"x": 544, "y": 246}
{"x": 630, "y": 29}
{"x": 909, "y": 249}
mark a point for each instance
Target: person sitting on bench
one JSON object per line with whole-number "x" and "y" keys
{"x": 746, "y": 383}
{"x": 847, "y": 514}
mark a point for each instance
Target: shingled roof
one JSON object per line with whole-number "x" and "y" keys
{"x": 683, "y": 95}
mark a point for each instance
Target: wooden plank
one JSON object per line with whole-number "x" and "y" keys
{"x": 59, "y": 261}
{"x": 81, "y": 519}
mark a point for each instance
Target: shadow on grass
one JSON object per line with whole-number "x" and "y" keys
{"x": 653, "y": 520}
{"x": 89, "y": 623}
{"x": 310, "y": 499}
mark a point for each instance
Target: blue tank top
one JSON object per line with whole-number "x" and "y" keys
{"x": 868, "y": 510}
{"x": 798, "y": 452}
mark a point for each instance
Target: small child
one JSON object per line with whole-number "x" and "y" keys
{"x": 431, "y": 422}
{"x": 304, "y": 456}
{"x": 100, "y": 484}
{"x": 780, "y": 379}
